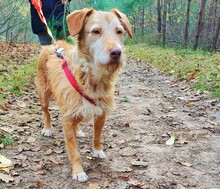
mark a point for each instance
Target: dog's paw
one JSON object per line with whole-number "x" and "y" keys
{"x": 99, "y": 154}
{"x": 47, "y": 132}
{"x": 81, "y": 177}
{"x": 79, "y": 133}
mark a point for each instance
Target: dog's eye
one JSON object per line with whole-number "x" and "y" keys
{"x": 119, "y": 32}
{"x": 96, "y": 31}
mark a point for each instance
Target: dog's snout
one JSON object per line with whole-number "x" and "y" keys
{"x": 115, "y": 53}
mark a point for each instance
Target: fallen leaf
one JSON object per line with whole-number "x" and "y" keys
{"x": 190, "y": 104}
{"x": 6, "y": 178}
{"x": 191, "y": 75}
{"x": 5, "y": 169}
{"x": 139, "y": 163}
{"x": 7, "y": 129}
{"x": 40, "y": 172}
{"x": 5, "y": 163}
{"x": 182, "y": 139}
{"x": 124, "y": 177}
{"x": 58, "y": 151}
{"x": 1, "y": 146}
{"x": 49, "y": 152}
{"x": 184, "y": 163}
{"x": 21, "y": 157}
{"x": 31, "y": 140}
{"x": 40, "y": 184}
{"x": 93, "y": 186}
{"x": 171, "y": 140}
{"x": 21, "y": 104}
{"x": 35, "y": 149}
{"x": 3, "y": 106}
{"x": 56, "y": 160}
{"x": 175, "y": 173}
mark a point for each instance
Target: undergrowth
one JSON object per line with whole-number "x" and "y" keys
{"x": 7, "y": 140}
{"x": 200, "y": 68}
{"x": 17, "y": 79}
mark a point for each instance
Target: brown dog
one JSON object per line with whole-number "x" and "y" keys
{"x": 95, "y": 63}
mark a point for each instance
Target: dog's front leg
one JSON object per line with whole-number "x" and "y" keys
{"x": 70, "y": 129}
{"x": 99, "y": 122}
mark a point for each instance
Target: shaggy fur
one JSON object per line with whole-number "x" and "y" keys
{"x": 95, "y": 62}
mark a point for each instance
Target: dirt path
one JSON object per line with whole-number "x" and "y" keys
{"x": 150, "y": 107}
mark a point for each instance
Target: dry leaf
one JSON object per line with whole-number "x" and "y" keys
{"x": 139, "y": 163}
{"x": 184, "y": 163}
{"x": 6, "y": 178}
{"x": 171, "y": 140}
{"x": 93, "y": 186}
{"x": 40, "y": 172}
{"x": 190, "y": 104}
{"x": 4, "y": 160}
{"x": 40, "y": 184}
{"x": 182, "y": 139}
{"x": 1, "y": 146}
{"x": 5, "y": 163}
{"x": 31, "y": 140}
{"x": 21, "y": 157}
{"x": 191, "y": 75}
{"x": 7, "y": 129}
{"x": 56, "y": 160}
{"x": 48, "y": 152}
{"x": 21, "y": 104}
{"x": 5, "y": 169}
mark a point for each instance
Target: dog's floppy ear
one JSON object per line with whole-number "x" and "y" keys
{"x": 124, "y": 21}
{"x": 76, "y": 19}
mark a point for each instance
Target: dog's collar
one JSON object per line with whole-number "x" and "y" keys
{"x": 73, "y": 81}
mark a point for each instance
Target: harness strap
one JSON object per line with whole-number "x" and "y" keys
{"x": 73, "y": 81}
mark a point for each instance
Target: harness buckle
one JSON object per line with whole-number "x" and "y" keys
{"x": 59, "y": 52}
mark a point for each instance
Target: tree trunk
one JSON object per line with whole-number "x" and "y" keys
{"x": 159, "y": 16}
{"x": 215, "y": 13}
{"x": 186, "y": 32}
{"x": 164, "y": 22}
{"x": 200, "y": 24}
{"x": 142, "y": 24}
{"x": 216, "y": 36}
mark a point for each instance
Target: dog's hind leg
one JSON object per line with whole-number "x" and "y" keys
{"x": 99, "y": 122}
{"x": 45, "y": 97}
{"x": 70, "y": 129}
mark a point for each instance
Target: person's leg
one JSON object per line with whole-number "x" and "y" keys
{"x": 44, "y": 38}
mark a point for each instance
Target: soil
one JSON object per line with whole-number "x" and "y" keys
{"x": 150, "y": 108}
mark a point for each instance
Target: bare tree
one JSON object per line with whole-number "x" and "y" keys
{"x": 164, "y": 23}
{"x": 186, "y": 32}
{"x": 216, "y": 36}
{"x": 200, "y": 24}
{"x": 159, "y": 20}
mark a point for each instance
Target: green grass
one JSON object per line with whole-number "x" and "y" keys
{"x": 17, "y": 79}
{"x": 7, "y": 140}
{"x": 182, "y": 63}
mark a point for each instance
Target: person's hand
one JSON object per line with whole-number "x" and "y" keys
{"x": 65, "y": 2}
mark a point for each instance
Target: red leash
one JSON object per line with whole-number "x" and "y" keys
{"x": 59, "y": 52}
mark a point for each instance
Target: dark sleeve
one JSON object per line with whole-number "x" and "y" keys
{"x": 36, "y": 23}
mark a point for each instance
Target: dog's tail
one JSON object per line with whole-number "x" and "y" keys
{"x": 41, "y": 77}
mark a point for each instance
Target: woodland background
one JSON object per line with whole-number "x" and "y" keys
{"x": 179, "y": 23}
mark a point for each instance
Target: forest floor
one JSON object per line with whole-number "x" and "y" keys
{"x": 150, "y": 108}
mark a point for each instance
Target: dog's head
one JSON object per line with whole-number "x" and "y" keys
{"x": 100, "y": 35}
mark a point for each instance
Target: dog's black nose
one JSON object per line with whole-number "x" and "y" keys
{"x": 115, "y": 53}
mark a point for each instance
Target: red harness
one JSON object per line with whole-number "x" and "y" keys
{"x": 73, "y": 81}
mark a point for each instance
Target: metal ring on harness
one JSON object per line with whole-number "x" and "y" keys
{"x": 59, "y": 52}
